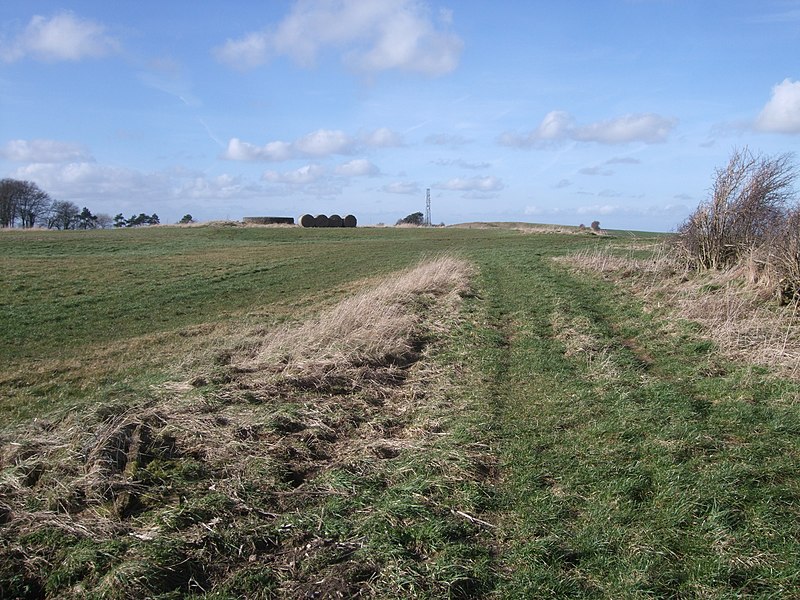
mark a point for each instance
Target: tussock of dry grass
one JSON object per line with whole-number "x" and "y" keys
{"x": 735, "y": 307}
{"x": 376, "y": 329}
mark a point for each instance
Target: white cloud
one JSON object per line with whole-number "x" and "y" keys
{"x": 782, "y": 113}
{"x": 445, "y": 162}
{"x": 359, "y": 167}
{"x": 563, "y": 183}
{"x": 324, "y": 142}
{"x": 317, "y": 144}
{"x": 221, "y": 187}
{"x": 488, "y": 183}
{"x": 402, "y": 187}
{"x": 44, "y": 151}
{"x": 245, "y": 53}
{"x": 275, "y": 151}
{"x": 648, "y": 128}
{"x": 383, "y": 138}
{"x": 102, "y": 187}
{"x": 302, "y": 176}
{"x": 62, "y": 37}
{"x": 170, "y": 193}
{"x": 558, "y": 126}
{"x": 371, "y": 36}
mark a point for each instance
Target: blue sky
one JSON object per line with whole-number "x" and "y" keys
{"x": 551, "y": 112}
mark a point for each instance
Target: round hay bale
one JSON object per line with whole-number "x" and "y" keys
{"x": 307, "y": 221}
{"x": 349, "y": 221}
{"x": 321, "y": 221}
{"x": 335, "y": 221}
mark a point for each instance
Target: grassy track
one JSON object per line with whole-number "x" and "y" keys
{"x": 635, "y": 464}
{"x": 559, "y": 439}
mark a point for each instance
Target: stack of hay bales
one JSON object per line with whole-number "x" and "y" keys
{"x": 325, "y": 221}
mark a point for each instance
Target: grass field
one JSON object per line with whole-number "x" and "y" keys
{"x": 232, "y": 412}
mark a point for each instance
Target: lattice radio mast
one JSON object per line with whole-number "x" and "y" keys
{"x": 428, "y": 208}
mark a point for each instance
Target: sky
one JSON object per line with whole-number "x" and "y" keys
{"x": 521, "y": 110}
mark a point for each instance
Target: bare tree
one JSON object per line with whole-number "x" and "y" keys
{"x": 63, "y": 214}
{"x": 784, "y": 257}
{"x": 23, "y": 200}
{"x": 103, "y": 220}
{"x": 748, "y": 204}
{"x": 9, "y": 189}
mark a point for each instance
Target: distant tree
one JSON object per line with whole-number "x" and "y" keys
{"x": 595, "y": 225}
{"x": 9, "y": 188}
{"x": 136, "y": 220}
{"x": 186, "y": 219}
{"x": 63, "y": 215}
{"x": 86, "y": 220}
{"x": 103, "y": 220}
{"x": 416, "y": 218}
{"x": 31, "y": 202}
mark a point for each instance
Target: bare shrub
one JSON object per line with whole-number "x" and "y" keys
{"x": 785, "y": 257}
{"x": 748, "y": 204}
{"x": 731, "y": 305}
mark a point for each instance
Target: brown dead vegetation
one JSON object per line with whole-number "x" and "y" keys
{"x": 736, "y": 307}
{"x": 211, "y": 466}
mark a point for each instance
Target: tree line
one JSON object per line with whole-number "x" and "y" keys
{"x": 24, "y": 204}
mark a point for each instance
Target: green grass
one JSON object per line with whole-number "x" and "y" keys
{"x": 574, "y": 443}
{"x": 628, "y": 471}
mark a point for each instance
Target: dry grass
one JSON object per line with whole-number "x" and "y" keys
{"x": 529, "y": 228}
{"x": 576, "y": 334}
{"x": 243, "y": 443}
{"x": 735, "y": 306}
